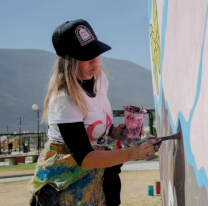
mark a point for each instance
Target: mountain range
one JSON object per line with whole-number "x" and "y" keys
{"x": 25, "y": 73}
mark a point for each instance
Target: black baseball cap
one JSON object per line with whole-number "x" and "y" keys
{"x": 77, "y": 39}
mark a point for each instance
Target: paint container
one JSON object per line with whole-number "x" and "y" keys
{"x": 157, "y": 188}
{"x": 133, "y": 119}
{"x": 150, "y": 190}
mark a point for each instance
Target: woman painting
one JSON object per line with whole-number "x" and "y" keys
{"x": 71, "y": 167}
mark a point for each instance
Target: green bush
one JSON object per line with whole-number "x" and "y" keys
{"x": 151, "y": 122}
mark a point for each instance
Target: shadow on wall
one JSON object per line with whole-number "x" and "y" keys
{"x": 179, "y": 171}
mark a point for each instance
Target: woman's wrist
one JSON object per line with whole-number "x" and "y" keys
{"x": 135, "y": 152}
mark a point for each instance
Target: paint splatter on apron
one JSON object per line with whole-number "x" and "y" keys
{"x": 78, "y": 186}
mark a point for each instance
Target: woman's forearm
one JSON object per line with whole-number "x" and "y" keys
{"x": 103, "y": 159}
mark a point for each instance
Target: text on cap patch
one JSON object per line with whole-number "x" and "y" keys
{"x": 84, "y": 35}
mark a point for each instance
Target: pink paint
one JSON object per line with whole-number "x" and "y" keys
{"x": 133, "y": 118}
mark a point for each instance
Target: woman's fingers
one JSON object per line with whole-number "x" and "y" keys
{"x": 122, "y": 126}
{"x": 149, "y": 148}
{"x": 117, "y": 132}
{"x": 149, "y": 137}
{"x": 157, "y": 146}
{"x": 151, "y": 143}
{"x": 148, "y": 154}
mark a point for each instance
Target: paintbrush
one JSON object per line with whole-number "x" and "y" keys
{"x": 176, "y": 136}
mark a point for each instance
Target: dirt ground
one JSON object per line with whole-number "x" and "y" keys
{"x": 134, "y": 190}
{"x": 135, "y": 186}
{"x": 13, "y": 172}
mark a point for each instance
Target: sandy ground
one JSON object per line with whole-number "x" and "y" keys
{"x": 134, "y": 190}
{"x": 13, "y": 172}
{"x": 135, "y": 187}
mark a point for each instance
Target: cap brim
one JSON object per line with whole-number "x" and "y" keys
{"x": 90, "y": 51}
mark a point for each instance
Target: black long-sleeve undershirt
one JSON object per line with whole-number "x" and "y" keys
{"x": 76, "y": 140}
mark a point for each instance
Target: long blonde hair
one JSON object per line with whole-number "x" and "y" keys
{"x": 64, "y": 77}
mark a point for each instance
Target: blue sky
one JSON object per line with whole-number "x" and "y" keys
{"x": 121, "y": 24}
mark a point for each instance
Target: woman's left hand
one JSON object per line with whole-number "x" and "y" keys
{"x": 117, "y": 132}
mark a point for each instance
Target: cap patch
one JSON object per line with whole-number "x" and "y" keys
{"x": 84, "y": 35}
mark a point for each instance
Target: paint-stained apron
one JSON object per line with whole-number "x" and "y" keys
{"x": 58, "y": 168}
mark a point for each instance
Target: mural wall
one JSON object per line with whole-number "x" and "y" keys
{"x": 179, "y": 59}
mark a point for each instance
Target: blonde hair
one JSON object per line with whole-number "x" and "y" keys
{"x": 64, "y": 77}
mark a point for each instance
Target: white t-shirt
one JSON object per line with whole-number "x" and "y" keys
{"x": 97, "y": 123}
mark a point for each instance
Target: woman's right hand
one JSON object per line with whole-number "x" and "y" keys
{"x": 146, "y": 149}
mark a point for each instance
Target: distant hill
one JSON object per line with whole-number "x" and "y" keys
{"x": 24, "y": 75}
